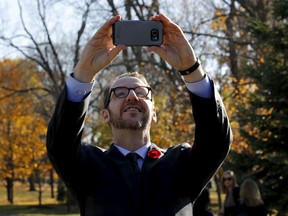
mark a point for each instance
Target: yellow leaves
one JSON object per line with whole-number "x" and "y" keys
{"x": 262, "y": 59}
{"x": 240, "y": 91}
{"x": 219, "y": 22}
{"x": 174, "y": 121}
{"x": 22, "y": 128}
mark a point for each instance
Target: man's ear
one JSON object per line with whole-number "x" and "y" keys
{"x": 105, "y": 116}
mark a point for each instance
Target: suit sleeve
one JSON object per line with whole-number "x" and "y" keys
{"x": 64, "y": 138}
{"x": 213, "y": 137}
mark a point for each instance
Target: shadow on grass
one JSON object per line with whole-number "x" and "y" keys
{"x": 51, "y": 209}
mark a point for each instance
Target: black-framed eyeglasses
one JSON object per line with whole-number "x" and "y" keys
{"x": 123, "y": 92}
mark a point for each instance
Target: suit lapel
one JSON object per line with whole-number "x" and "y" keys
{"x": 122, "y": 167}
{"x": 149, "y": 163}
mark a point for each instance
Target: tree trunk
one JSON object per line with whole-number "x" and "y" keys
{"x": 38, "y": 179}
{"x": 218, "y": 190}
{"x": 52, "y": 183}
{"x": 232, "y": 46}
{"x": 9, "y": 187}
{"x": 31, "y": 181}
{"x": 61, "y": 191}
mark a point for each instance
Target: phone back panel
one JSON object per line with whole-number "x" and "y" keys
{"x": 138, "y": 33}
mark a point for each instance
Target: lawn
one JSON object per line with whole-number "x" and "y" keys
{"x": 26, "y": 203}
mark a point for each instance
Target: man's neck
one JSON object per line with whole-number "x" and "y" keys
{"x": 131, "y": 139}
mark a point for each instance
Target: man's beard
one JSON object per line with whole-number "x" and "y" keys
{"x": 130, "y": 124}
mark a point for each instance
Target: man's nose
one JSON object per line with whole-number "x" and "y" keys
{"x": 132, "y": 95}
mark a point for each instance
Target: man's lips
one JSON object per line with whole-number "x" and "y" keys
{"x": 132, "y": 108}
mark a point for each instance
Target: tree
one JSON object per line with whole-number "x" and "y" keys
{"x": 259, "y": 97}
{"x": 23, "y": 128}
{"x": 56, "y": 51}
{"x": 267, "y": 106}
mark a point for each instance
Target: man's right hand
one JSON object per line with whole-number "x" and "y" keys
{"x": 98, "y": 53}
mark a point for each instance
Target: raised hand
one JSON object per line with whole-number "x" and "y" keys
{"x": 176, "y": 49}
{"x": 98, "y": 53}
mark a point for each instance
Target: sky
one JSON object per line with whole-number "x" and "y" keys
{"x": 10, "y": 24}
{"x": 8, "y": 11}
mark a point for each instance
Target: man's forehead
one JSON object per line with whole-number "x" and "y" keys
{"x": 128, "y": 81}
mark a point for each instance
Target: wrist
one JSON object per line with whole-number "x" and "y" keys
{"x": 192, "y": 69}
{"x": 83, "y": 75}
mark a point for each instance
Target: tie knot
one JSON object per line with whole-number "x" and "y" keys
{"x": 132, "y": 156}
{"x": 133, "y": 159}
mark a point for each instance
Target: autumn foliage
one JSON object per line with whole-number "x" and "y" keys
{"x": 23, "y": 128}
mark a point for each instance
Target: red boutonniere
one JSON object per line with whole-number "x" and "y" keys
{"x": 154, "y": 154}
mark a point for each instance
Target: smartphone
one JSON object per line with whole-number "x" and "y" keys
{"x": 138, "y": 33}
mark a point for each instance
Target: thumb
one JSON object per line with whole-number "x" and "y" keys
{"x": 158, "y": 50}
{"x": 115, "y": 51}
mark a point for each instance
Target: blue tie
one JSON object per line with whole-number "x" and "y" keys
{"x": 133, "y": 157}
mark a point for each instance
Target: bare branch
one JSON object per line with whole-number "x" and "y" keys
{"x": 21, "y": 91}
{"x": 80, "y": 32}
{"x": 42, "y": 17}
{"x": 32, "y": 39}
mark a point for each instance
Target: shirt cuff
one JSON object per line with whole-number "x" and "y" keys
{"x": 77, "y": 91}
{"x": 202, "y": 88}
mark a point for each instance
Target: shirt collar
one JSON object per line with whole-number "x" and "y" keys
{"x": 141, "y": 151}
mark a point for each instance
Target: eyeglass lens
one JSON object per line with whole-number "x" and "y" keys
{"x": 123, "y": 92}
{"x": 140, "y": 91}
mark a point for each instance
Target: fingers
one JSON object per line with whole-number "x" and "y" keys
{"x": 106, "y": 27}
{"x": 161, "y": 17}
{"x": 110, "y": 22}
{"x": 115, "y": 51}
{"x": 169, "y": 27}
{"x": 158, "y": 50}
{"x": 154, "y": 49}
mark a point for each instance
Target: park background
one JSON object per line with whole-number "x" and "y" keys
{"x": 242, "y": 44}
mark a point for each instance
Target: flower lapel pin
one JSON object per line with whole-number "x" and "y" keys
{"x": 154, "y": 154}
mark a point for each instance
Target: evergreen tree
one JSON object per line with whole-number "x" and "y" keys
{"x": 264, "y": 115}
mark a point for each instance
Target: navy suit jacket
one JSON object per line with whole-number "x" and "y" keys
{"x": 101, "y": 179}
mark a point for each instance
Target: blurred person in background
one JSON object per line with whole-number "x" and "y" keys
{"x": 251, "y": 200}
{"x": 232, "y": 191}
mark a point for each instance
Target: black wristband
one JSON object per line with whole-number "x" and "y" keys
{"x": 191, "y": 69}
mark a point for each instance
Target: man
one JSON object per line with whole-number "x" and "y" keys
{"x": 105, "y": 182}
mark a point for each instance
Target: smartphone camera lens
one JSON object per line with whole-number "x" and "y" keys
{"x": 154, "y": 35}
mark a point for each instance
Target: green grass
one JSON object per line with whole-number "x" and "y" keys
{"x": 35, "y": 210}
{"x": 26, "y": 203}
